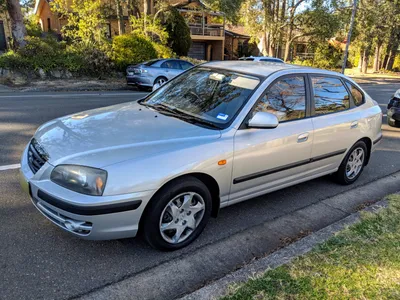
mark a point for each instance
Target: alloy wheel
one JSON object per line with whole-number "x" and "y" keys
{"x": 181, "y": 216}
{"x": 355, "y": 163}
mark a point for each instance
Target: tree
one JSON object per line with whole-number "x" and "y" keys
{"x": 120, "y": 17}
{"x": 178, "y": 32}
{"x": 17, "y": 23}
{"x": 85, "y": 21}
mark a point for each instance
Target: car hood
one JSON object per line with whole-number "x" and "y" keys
{"x": 109, "y": 135}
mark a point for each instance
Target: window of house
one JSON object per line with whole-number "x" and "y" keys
{"x": 286, "y": 98}
{"x": 48, "y": 24}
{"x": 358, "y": 96}
{"x": 330, "y": 95}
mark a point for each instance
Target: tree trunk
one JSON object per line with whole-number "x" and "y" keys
{"x": 265, "y": 44}
{"x": 17, "y": 23}
{"x": 376, "y": 58}
{"x": 133, "y": 8}
{"x": 360, "y": 61}
{"x": 120, "y": 17}
{"x": 364, "y": 67}
{"x": 145, "y": 13}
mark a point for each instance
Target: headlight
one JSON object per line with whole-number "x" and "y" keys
{"x": 84, "y": 180}
{"x": 397, "y": 94}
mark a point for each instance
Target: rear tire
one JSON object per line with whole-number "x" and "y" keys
{"x": 352, "y": 165}
{"x": 182, "y": 208}
{"x": 160, "y": 80}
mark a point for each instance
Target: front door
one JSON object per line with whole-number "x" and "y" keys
{"x": 267, "y": 158}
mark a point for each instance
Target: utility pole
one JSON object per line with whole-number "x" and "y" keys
{"x": 346, "y": 52}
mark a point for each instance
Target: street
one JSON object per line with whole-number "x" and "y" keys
{"x": 39, "y": 260}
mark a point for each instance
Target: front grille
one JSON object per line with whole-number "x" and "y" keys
{"x": 36, "y": 156}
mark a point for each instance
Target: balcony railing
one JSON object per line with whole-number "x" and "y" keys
{"x": 207, "y": 30}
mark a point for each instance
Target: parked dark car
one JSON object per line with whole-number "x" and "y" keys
{"x": 159, "y": 71}
{"x": 393, "y": 114}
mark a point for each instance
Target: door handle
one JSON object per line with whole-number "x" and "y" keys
{"x": 303, "y": 137}
{"x": 354, "y": 124}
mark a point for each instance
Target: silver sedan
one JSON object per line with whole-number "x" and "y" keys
{"x": 156, "y": 71}
{"x": 223, "y": 133}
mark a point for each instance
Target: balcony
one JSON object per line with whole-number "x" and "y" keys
{"x": 212, "y": 31}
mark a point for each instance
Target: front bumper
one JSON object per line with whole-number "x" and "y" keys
{"x": 88, "y": 217}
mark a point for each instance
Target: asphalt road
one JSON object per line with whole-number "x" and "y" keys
{"x": 40, "y": 261}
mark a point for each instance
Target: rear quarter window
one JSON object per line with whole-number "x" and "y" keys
{"x": 357, "y": 95}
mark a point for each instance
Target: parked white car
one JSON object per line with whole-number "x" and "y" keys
{"x": 263, "y": 58}
{"x": 219, "y": 134}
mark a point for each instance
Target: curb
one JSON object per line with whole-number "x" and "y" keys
{"x": 283, "y": 256}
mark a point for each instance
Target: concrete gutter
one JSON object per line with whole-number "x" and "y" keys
{"x": 190, "y": 272}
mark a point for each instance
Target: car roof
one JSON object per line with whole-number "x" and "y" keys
{"x": 263, "y": 69}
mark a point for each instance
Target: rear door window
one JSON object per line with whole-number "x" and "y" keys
{"x": 330, "y": 95}
{"x": 171, "y": 64}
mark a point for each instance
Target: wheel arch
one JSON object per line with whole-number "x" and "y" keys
{"x": 207, "y": 179}
{"x": 368, "y": 142}
{"x": 160, "y": 76}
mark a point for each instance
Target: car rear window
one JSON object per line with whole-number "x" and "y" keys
{"x": 151, "y": 62}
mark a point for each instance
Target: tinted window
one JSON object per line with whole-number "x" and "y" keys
{"x": 151, "y": 62}
{"x": 249, "y": 58}
{"x": 286, "y": 99}
{"x": 356, "y": 93}
{"x": 329, "y": 95}
{"x": 185, "y": 65}
{"x": 171, "y": 64}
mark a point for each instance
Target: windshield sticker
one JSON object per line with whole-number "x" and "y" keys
{"x": 222, "y": 116}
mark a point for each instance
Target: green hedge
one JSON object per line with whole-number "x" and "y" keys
{"x": 131, "y": 49}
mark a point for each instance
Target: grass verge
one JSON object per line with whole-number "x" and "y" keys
{"x": 360, "y": 262}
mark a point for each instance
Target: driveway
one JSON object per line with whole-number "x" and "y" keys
{"x": 38, "y": 260}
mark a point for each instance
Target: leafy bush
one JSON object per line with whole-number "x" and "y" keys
{"x": 48, "y": 54}
{"x": 131, "y": 49}
{"x": 396, "y": 64}
{"x": 93, "y": 61}
{"x": 163, "y": 51}
{"x": 178, "y": 31}
{"x": 326, "y": 56}
{"x": 32, "y": 25}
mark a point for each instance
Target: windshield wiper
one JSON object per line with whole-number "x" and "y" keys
{"x": 184, "y": 116}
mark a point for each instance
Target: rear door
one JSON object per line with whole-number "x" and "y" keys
{"x": 335, "y": 122}
{"x": 172, "y": 68}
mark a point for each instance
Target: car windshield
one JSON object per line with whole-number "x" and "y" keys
{"x": 209, "y": 95}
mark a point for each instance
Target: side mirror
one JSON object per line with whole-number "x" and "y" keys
{"x": 263, "y": 120}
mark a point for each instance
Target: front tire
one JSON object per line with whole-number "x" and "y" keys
{"x": 177, "y": 214}
{"x": 352, "y": 165}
